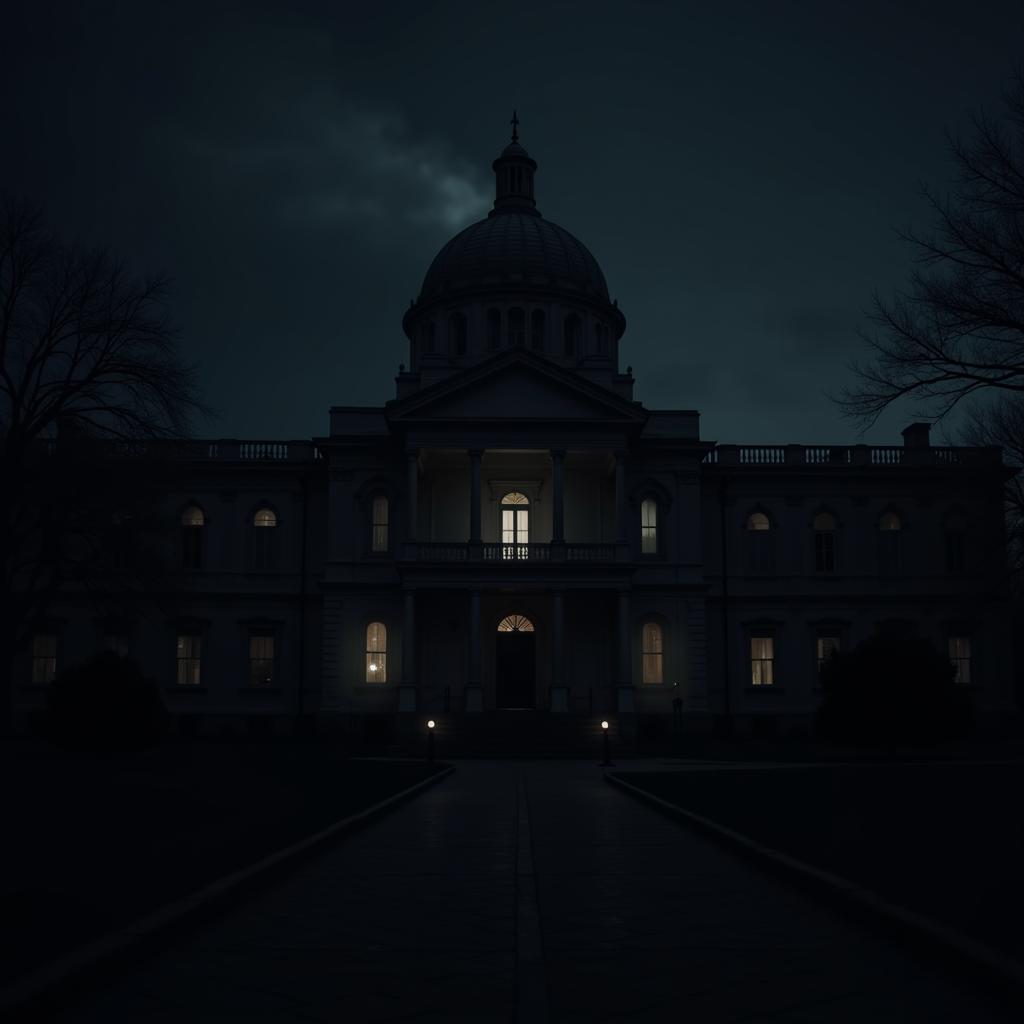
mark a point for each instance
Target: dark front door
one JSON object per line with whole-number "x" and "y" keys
{"x": 516, "y": 661}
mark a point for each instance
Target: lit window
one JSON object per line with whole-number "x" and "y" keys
{"x": 261, "y": 660}
{"x": 537, "y": 330}
{"x": 649, "y": 526}
{"x": 828, "y": 646}
{"x": 889, "y": 527}
{"x": 192, "y": 523}
{"x": 824, "y": 542}
{"x": 515, "y": 624}
{"x": 189, "y": 655}
{"x": 44, "y": 657}
{"x": 759, "y": 543}
{"x": 380, "y": 523}
{"x": 960, "y": 656}
{"x": 516, "y": 327}
{"x": 762, "y": 660}
{"x": 264, "y": 523}
{"x": 376, "y": 653}
{"x": 515, "y": 525}
{"x": 652, "y": 655}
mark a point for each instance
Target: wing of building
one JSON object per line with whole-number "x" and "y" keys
{"x": 514, "y": 531}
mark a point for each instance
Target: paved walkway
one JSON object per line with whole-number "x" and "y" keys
{"x": 533, "y": 892}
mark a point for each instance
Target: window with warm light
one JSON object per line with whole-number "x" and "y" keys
{"x": 515, "y": 624}
{"x": 762, "y": 661}
{"x": 261, "y": 659}
{"x": 515, "y": 525}
{"x": 960, "y": 655}
{"x": 192, "y": 522}
{"x": 824, "y": 542}
{"x": 44, "y": 657}
{"x": 376, "y": 653}
{"x": 649, "y": 526}
{"x": 263, "y": 536}
{"x": 380, "y": 523}
{"x": 189, "y": 659}
{"x": 760, "y": 549}
{"x": 651, "y": 653}
{"x": 828, "y": 647}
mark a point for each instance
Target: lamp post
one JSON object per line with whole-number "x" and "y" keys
{"x": 430, "y": 741}
{"x": 607, "y": 762}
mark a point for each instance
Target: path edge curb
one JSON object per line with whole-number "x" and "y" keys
{"x": 982, "y": 960}
{"x": 52, "y": 982}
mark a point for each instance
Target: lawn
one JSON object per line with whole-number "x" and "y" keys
{"x": 94, "y": 842}
{"x": 946, "y": 840}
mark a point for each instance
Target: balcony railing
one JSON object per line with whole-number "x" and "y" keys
{"x": 847, "y": 455}
{"x": 511, "y": 553}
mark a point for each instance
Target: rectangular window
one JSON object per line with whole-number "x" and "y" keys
{"x": 828, "y": 645}
{"x": 380, "y": 523}
{"x": 116, "y": 642}
{"x": 189, "y": 651}
{"x": 192, "y": 547}
{"x": 652, "y": 655}
{"x": 955, "y": 551}
{"x": 44, "y": 657}
{"x": 960, "y": 656}
{"x": 762, "y": 661}
{"x": 824, "y": 551}
{"x": 261, "y": 660}
{"x": 649, "y": 527}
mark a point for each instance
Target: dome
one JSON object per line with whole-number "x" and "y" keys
{"x": 517, "y": 246}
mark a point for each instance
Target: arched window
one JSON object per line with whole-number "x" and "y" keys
{"x": 652, "y": 653}
{"x": 192, "y": 523}
{"x": 515, "y": 525}
{"x": 494, "y": 328}
{"x": 824, "y": 542}
{"x": 889, "y": 528}
{"x": 955, "y": 530}
{"x": 380, "y": 523}
{"x": 537, "y": 330}
{"x": 601, "y": 339}
{"x": 571, "y": 335}
{"x": 516, "y": 327}
{"x": 376, "y": 653}
{"x": 428, "y": 338}
{"x": 649, "y": 527}
{"x": 760, "y": 546}
{"x": 458, "y": 333}
{"x": 263, "y": 536}
{"x": 515, "y": 624}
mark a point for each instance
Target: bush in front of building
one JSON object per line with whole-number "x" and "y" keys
{"x": 892, "y": 688}
{"x": 105, "y": 703}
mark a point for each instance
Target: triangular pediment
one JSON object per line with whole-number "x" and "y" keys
{"x": 516, "y": 389}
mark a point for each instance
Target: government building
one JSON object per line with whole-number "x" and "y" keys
{"x": 514, "y": 531}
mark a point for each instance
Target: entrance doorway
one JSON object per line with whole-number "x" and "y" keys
{"x": 515, "y": 653}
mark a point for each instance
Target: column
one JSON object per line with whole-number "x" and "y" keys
{"x": 407, "y": 689}
{"x": 621, "y": 536}
{"x": 558, "y": 509}
{"x": 559, "y": 689}
{"x": 624, "y": 692}
{"x": 474, "y": 497}
{"x": 474, "y": 685}
{"x": 412, "y": 494}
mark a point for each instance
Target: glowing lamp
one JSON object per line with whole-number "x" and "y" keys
{"x": 604, "y": 725}
{"x": 373, "y": 666}
{"x": 430, "y": 724}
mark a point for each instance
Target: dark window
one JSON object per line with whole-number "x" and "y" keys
{"x": 601, "y": 339}
{"x": 760, "y": 543}
{"x": 824, "y": 542}
{"x": 537, "y": 330}
{"x": 193, "y": 523}
{"x": 571, "y": 335}
{"x": 889, "y": 529}
{"x": 457, "y": 333}
{"x": 493, "y": 328}
{"x": 956, "y": 551}
{"x": 516, "y": 327}
{"x": 428, "y": 338}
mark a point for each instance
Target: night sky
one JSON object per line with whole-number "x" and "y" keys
{"x": 738, "y": 170}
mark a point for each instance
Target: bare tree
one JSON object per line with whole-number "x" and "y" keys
{"x": 957, "y": 331}
{"x": 88, "y": 361}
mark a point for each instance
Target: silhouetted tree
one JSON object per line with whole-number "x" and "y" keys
{"x": 957, "y": 331}
{"x": 88, "y": 368}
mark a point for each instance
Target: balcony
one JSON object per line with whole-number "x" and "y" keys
{"x": 509, "y": 554}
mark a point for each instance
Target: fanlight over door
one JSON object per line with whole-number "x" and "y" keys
{"x": 515, "y": 663}
{"x": 515, "y": 525}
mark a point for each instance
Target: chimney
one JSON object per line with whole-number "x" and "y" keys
{"x": 916, "y": 435}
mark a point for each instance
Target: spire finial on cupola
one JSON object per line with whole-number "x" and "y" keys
{"x": 513, "y": 177}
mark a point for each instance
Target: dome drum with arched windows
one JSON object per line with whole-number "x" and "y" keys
{"x": 513, "y": 279}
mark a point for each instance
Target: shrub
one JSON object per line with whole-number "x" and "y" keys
{"x": 105, "y": 703}
{"x": 894, "y": 687}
